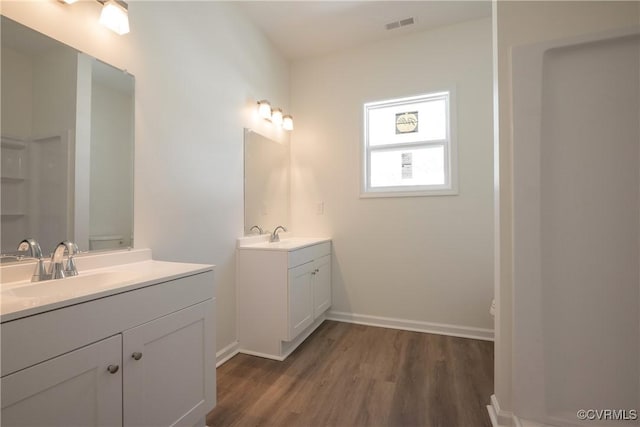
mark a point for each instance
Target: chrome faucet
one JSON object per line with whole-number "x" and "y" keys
{"x": 260, "y": 230}
{"x": 274, "y": 236}
{"x": 70, "y": 267}
{"x": 56, "y": 268}
{"x": 33, "y": 249}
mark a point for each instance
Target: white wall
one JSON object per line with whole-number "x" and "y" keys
{"x": 520, "y": 23}
{"x": 423, "y": 259}
{"x": 199, "y": 67}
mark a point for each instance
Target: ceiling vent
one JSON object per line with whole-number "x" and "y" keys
{"x": 400, "y": 23}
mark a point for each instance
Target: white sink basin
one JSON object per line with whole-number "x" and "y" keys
{"x": 25, "y": 296}
{"x": 101, "y": 275}
{"x": 288, "y": 244}
{"x": 69, "y": 286}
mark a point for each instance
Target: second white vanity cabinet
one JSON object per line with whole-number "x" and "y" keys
{"x": 284, "y": 291}
{"x": 141, "y": 357}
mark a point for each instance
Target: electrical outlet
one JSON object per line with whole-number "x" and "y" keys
{"x": 320, "y": 208}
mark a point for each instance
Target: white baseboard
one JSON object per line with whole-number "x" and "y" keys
{"x": 227, "y": 353}
{"x": 492, "y": 416}
{"x": 413, "y": 325}
{"x": 499, "y": 417}
{"x": 263, "y": 355}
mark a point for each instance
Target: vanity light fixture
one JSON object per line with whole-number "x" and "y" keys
{"x": 264, "y": 109}
{"x": 287, "y": 122}
{"x": 274, "y": 115}
{"x": 115, "y": 16}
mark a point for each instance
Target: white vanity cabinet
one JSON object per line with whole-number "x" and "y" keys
{"x": 284, "y": 291}
{"x": 144, "y": 357}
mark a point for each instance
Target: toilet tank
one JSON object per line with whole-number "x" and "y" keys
{"x": 101, "y": 243}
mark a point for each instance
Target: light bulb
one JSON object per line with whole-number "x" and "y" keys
{"x": 287, "y": 122}
{"x": 264, "y": 109}
{"x": 276, "y": 116}
{"x": 115, "y": 17}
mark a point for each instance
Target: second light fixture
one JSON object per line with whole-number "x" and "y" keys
{"x": 274, "y": 115}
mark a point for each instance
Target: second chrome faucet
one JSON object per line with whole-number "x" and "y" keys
{"x": 274, "y": 236}
{"x": 58, "y": 269}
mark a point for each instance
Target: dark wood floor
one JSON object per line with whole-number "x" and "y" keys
{"x": 353, "y": 375}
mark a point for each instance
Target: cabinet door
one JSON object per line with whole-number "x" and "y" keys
{"x": 75, "y": 389}
{"x": 321, "y": 286}
{"x": 169, "y": 369}
{"x": 300, "y": 295}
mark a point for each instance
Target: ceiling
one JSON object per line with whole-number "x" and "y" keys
{"x": 302, "y": 29}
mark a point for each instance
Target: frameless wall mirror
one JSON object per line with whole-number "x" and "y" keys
{"x": 67, "y": 145}
{"x": 266, "y": 182}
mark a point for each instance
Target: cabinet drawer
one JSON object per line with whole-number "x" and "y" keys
{"x": 304, "y": 255}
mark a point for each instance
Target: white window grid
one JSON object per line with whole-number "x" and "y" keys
{"x": 449, "y": 187}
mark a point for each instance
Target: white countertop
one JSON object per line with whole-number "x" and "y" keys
{"x": 286, "y": 243}
{"x": 21, "y": 298}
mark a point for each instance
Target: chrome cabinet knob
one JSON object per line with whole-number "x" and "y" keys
{"x": 137, "y": 355}
{"x": 113, "y": 369}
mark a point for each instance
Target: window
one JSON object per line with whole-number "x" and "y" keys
{"x": 409, "y": 147}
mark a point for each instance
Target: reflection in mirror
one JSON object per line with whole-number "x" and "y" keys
{"x": 67, "y": 145}
{"x": 266, "y": 183}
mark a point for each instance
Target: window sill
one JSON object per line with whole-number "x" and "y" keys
{"x": 417, "y": 193}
